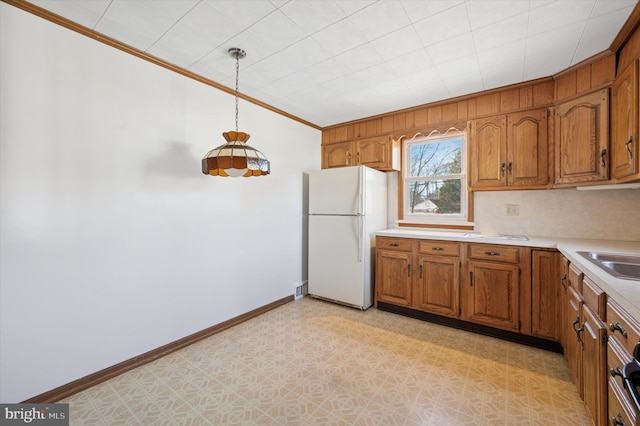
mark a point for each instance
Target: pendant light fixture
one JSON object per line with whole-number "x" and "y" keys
{"x": 235, "y": 158}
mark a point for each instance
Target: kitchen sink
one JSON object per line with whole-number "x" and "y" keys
{"x": 625, "y": 266}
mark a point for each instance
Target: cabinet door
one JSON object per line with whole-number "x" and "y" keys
{"x": 377, "y": 153}
{"x": 594, "y": 365}
{"x": 336, "y": 155}
{"x": 492, "y": 295}
{"x": 393, "y": 277}
{"x": 438, "y": 282}
{"x": 624, "y": 124}
{"x": 582, "y": 139}
{"x": 527, "y": 149}
{"x": 573, "y": 351}
{"x": 545, "y": 308}
{"x": 488, "y": 147}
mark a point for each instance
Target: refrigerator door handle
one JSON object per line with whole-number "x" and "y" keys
{"x": 361, "y": 193}
{"x": 360, "y": 236}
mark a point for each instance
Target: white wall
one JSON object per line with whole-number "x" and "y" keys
{"x": 112, "y": 241}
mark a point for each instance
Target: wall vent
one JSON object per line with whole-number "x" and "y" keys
{"x": 300, "y": 290}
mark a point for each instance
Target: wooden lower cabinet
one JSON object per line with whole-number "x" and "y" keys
{"x": 393, "y": 273}
{"x": 437, "y": 285}
{"x": 492, "y": 295}
{"x": 545, "y": 294}
{"x": 594, "y": 365}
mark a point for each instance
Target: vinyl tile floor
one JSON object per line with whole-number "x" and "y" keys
{"x": 311, "y": 362}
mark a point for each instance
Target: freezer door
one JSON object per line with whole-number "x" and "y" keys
{"x": 336, "y": 191}
{"x": 337, "y": 261}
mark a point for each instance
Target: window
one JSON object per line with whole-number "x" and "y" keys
{"x": 434, "y": 179}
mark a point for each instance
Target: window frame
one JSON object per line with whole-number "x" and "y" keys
{"x": 462, "y": 220}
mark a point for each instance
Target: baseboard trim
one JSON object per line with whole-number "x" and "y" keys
{"x": 535, "y": 342}
{"x": 86, "y": 382}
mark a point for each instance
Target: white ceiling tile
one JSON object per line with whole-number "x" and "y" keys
{"x": 564, "y": 40}
{"x": 313, "y": 16}
{"x": 462, "y": 86}
{"x": 606, "y": 6}
{"x": 340, "y": 37}
{"x": 381, "y": 18}
{"x": 453, "y": 48}
{"x": 417, "y": 10}
{"x": 558, "y": 14}
{"x": 192, "y": 37}
{"x": 411, "y": 62}
{"x": 487, "y": 12}
{"x": 242, "y": 14}
{"x": 443, "y": 26}
{"x": 141, "y": 22}
{"x": 459, "y": 67}
{"x": 491, "y": 36}
{"x": 502, "y": 54}
{"x": 352, "y": 6}
{"x": 361, "y": 58}
{"x": 277, "y": 31}
{"x": 84, "y": 13}
{"x": 312, "y": 59}
{"x": 397, "y": 43}
{"x": 599, "y": 33}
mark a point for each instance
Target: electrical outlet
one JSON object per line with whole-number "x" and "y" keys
{"x": 513, "y": 210}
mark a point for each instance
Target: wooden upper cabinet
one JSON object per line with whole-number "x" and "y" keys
{"x": 582, "y": 139}
{"x": 509, "y": 151}
{"x": 527, "y": 148}
{"x": 380, "y": 152}
{"x": 624, "y": 126}
{"x": 337, "y": 155}
{"x": 488, "y": 152}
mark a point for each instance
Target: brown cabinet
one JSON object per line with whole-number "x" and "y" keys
{"x": 582, "y": 140}
{"x": 586, "y": 350}
{"x": 545, "y": 294}
{"x": 380, "y": 152}
{"x": 509, "y": 151}
{"x": 438, "y": 281}
{"x": 423, "y": 275}
{"x": 492, "y": 295}
{"x": 624, "y": 334}
{"x": 624, "y": 126}
{"x": 394, "y": 259}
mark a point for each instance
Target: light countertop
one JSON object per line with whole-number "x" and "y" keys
{"x": 625, "y": 292}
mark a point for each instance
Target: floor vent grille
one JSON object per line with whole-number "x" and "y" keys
{"x": 301, "y": 290}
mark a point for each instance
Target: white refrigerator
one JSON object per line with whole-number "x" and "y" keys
{"x": 347, "y": 205}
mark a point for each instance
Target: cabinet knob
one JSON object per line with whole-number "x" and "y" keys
{"x": 629, "y": 142}
{"x": 437, "y": 249}
{"x": 616, "y": 326}
{"x": 602, "y": 154}
{"x": 492, "y": 253}
{"x": 615, "y": 371}
{"x": 394, "y": 245}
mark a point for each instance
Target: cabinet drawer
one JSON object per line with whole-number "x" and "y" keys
{"x": 400, "y": 244}
{"x": 575, "y": 278}
{"x": 617, "y": 358}
{"x": 445, "y": 248}
{"x": 619, "y": 409}
{"x": 594, "y": 297}
{"x": 622, "y": 327}
{"x": 495, "y": 253}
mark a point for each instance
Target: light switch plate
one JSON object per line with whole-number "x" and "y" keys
{"x": 513, "y": 210}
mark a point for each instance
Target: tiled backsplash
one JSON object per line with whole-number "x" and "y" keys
{"x": 603, "y": 214}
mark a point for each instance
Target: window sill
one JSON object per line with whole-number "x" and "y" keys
{"x": 460, "y": 225}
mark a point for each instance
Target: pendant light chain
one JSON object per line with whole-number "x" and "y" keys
{"x": 237, "y": 79}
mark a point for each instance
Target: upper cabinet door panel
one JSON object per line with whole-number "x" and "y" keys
{"x": 488, "y": 146}
{"x": 582, "y": 139}
{"x": 528, "y": 148}
{"x": 624, "y": 125}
